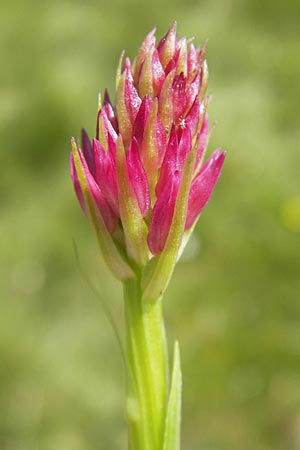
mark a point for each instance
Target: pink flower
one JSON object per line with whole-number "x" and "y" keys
{"x": 147, "y": 156}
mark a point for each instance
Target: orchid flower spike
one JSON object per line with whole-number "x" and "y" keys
{"x": 142, "y": 180}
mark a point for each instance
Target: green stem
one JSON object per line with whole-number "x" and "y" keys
{"x": 147, "y": 369}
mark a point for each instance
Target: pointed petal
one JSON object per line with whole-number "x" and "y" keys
{"x": 127, "y": 105}
{"x": 109, "y": 110}
{"x": 161, "y": 139}
{"x": 145, "y": 81}
{"x": 165, "y": 102}
{"x": 80, "y": 164}
{"x": 192, "y": 62}
{"x": 175, "y": 156}
{"x": 169, "y": 165}
{"x": 143, "y": 51}
{"x": 105, "y": 129}
{"x": 151, "y": 76}
{"x": 132, "y": 99}
{"x": 184, "y": 147}
{"x": 106, "y": 175}
{"x": 162, "y": 215}
{"x": 192, "y": 119}
{"x": 167, "y": 46}
{"x": 179, "y": 97}
{"x": 203, "y": 185}
{"x": 106, "y": 98}
{"x": 171, "y": 66}
{"x": 127, "y": 68}
{"x": 181, "y": 66}
{"x": 125, "y": 126}
{"x": 192, "y": 91}
{"x": 138, "y": 177}
{"x": 141, "y": 118}
{"x": 88, "y": 151}
{"x": 157, "y": 72}
{"x": 101, "y": 131}
{"x": 105, "y": 211}
{"x": 153, "y": 146}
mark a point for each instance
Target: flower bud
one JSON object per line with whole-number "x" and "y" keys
{"x": 142, "y": 181}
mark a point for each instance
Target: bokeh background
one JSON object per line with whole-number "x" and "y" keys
{"x": 234, "y": 302}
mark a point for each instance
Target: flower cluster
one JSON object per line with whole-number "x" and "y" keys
{"x": 142, "y": 180}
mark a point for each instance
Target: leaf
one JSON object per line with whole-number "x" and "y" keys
{"x": 173, "y": 419}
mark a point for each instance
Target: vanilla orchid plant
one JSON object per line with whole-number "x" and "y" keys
{"x": 142, "y": 183}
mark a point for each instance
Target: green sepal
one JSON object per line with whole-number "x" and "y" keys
{"x": 119, "y": 267}
{"x": 134, "y": 226}
{"x": 159, "y": 270}
{"x": 173, "y": 418}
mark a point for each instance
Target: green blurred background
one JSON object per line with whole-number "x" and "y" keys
{"x": 234, "y": 302}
